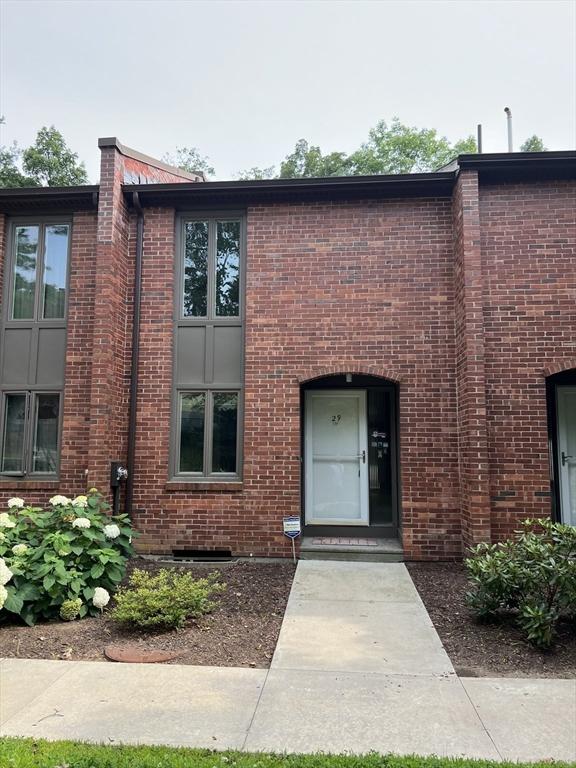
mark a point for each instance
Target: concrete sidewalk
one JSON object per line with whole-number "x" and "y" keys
{"x": 358, "y": 667}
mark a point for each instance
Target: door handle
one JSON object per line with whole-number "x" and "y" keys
{"x": 565, "y": 458}
{"x": 362, "y": 456}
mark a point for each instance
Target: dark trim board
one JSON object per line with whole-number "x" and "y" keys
{"x": 568, "y": 378}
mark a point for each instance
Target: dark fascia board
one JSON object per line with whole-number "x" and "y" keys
{"x": 501, "y": 167}
{"x": 211, "y": 193}
{"x": 48, "y": 199}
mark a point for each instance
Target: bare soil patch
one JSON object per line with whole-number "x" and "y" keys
{"x": 241, "y": 632}
{"x": 486, "y": 649}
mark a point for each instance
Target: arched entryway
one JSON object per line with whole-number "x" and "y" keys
{"x": 561, "y": 396}
{"x": 350, "y": 456}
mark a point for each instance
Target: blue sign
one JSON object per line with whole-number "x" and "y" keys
{"x": 291, "y": 526}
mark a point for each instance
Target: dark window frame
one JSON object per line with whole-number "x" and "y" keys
{"x": 209, "y": 322}
{"x": 35, "y": 323}
{"x": 30, "y": 426}
{"x": 42, "y": 222}
{"x": 207, "y": 471}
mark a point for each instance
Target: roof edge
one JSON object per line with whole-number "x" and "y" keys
{"x": 111, "y": 142}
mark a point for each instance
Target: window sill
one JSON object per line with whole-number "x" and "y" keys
{"x": 17, "y": 484}
{"x": 231, "y": 486}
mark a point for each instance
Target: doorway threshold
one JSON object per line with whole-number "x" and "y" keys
{"x": 351, "y": 548}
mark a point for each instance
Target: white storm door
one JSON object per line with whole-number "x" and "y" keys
{"x": 336, "y": 448}
{"x": 566, "y": 406}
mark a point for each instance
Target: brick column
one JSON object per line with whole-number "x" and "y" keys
{"x": 470, "y": 370}
{"x": 111, "y": 336}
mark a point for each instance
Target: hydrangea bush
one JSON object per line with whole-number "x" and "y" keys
{"x": 61, "y": 561}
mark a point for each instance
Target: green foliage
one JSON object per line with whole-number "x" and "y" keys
{"x": 10, "y": 173}
{"x": 51, "y": 162}
{"x": 532, "y": 576}
{"x": 72, "y": 547}
{"x": 257, "y": 174}
{"x": 70, "y": 609}
{"x": 306, "y": 161}
{"x": 164, "y": 599}
{"x": 34, "y": 753}
{"x": 533, "y": 144}
{"x": 189, "y": 159}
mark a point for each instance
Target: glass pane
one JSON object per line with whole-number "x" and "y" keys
{"x": 45, "y": 453}
{"x": 225, "y": 431}
{"x": 196, "y": 269}
{"x": 192, "y": 406}
{"x": 55, "y": 265}
{"x": 228, "y": 268}
{"x": 25, "y": 273}
{"x": 13, "y": 437}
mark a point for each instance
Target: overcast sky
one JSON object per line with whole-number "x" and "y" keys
{"x": 243, "y": 80}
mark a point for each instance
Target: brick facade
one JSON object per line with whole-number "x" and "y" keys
{"x": 466, "y": 302}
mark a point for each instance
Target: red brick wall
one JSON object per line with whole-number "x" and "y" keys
{"x": 528, "y": 238}
{"x": 467, "y": 304}
{"x": 362, "y": 287}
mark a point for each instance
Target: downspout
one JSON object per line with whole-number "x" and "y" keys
{"x": 135, "y": 354}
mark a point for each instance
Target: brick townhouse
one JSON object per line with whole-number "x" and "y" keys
{"x": 392, "y": 358}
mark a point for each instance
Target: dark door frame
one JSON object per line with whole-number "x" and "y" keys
{"x": 372, "y": 530}
{"x": 566, "y": 378}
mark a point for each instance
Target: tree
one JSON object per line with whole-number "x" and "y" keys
{"x": 10, "y": 173}
{"x": 51, "y": 163}
{"x": 307, "y": 160}
{"x": 533, "y": 144}
{"x": 399, "y": 148}
{"x": 189, "y": 159}
{"x": 257, "y": 174}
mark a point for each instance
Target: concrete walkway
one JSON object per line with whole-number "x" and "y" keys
{"x": 358, "y": 667}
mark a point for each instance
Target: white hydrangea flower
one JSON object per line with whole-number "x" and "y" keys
{"x": 6, "y": 521}
{"x": 101, "y": 598}
{"x": 15, "y": 503}
{"x": 5, "y": 573}
{"x": 80, "y": 501}
{"x": 19, "y": 549}
{"x": 111, "y": 531}
{"x": 81, "y": 522}
{"x": 60, "y": 501}
{"x": 3, "y": 596}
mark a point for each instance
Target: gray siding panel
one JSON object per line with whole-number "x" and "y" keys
{"x": 191, "y": 355}
{"x": 51, "y": 357}
{"x": 16, "y": 358}
{"x": 227, "y": 354}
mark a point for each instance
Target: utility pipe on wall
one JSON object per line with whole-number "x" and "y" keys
{"x": 509, "y": 121}
{"x": 479, "y": 141}
{"x": 135, "y": 354}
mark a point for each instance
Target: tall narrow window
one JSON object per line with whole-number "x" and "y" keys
{"x": 25, "y": 263}
{"x": 55, "y": 268}
{"x": 192, "y": 432}
{"x": 224, "y": 432}
{"x": 13, "y": 433}
{"x": 196, "y": 269}
{"x": 228, "y": 268}
{"x": 208, "y": 349}
{"x": 45, "y": 449}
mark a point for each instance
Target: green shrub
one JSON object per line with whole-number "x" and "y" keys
{"x": 50, "y": 557}
{"x": 532, "y": 576}
{"x": 164, "y": 599}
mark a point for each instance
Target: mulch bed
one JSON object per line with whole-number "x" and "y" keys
{"x": 241, "y": 632}
{"x": 486, "y": 649}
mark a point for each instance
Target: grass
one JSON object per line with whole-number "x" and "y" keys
{"x": 30, "y": 753}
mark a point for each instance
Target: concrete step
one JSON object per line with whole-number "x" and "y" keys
{"x": 351, "y": 549}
